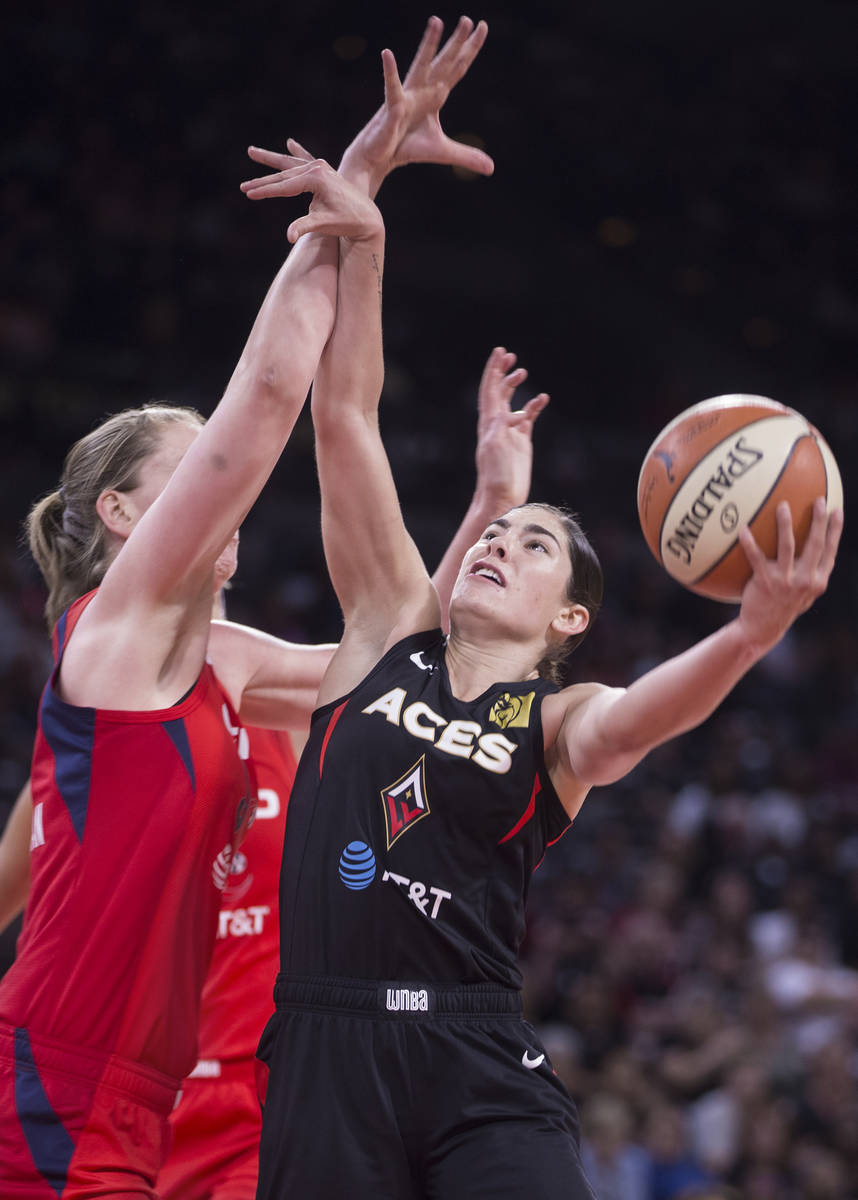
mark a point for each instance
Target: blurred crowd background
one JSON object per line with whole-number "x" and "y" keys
{"x": 672, "y": 217}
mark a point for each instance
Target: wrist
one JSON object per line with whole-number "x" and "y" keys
{"x": 366, "y": 175}
{"x": 492, "y": 500}
{"x": 747, "y": 645}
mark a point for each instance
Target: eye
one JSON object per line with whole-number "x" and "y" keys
{"x": 489, "y": 535}
{"x": 536, "y": 546}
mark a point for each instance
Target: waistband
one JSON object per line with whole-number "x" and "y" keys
{"x": 43, "y": 1054}
{"x": 396, "y": 998}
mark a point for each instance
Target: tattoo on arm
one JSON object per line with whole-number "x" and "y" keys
{"x": 377, "y": 274}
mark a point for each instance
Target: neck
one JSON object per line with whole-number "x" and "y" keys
{"x": 473, "y": 668}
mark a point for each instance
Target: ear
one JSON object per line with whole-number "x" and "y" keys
{"x": 571, "y": 620}
{"x": 115, "y": 512}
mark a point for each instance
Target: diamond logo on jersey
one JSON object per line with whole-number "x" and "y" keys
{"x": 405, "y": 802}
{"x": 512, "y": 712}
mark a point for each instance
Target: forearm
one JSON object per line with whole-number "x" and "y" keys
{"x": 621, "y": 727}
{"x": 374, "y": 566}
{"x": 15, "y": 858}
{"x": 294, "y": 322}
{"x": 483, "y": 509}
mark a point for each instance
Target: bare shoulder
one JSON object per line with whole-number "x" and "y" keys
{"x": 365, "y": 643}
{"x": 561, "y": 711}
{"x": 132, "y": 660}
{"x": 559, "y": 706}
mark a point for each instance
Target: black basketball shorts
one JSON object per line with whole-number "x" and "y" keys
{"x": 411, "y": 1091}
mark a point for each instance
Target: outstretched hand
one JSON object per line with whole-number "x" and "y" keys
{"x": 407, "y": 127}
{"x": 338, "y": 208}
{"x": 504, "y": 436}
{"x": 782, "y": 588}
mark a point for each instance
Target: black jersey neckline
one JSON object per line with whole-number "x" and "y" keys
{"x": 422, "y": 640}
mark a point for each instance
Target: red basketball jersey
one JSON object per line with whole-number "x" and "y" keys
{"x": 237, "y": 996}
{"x": 136, "y": 820}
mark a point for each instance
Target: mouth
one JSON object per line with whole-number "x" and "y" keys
{"x": 484, "y": 571}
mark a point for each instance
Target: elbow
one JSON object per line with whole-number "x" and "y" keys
{"x": 275, "y": 391}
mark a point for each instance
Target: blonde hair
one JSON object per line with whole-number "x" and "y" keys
{"x": 64, "y": 531}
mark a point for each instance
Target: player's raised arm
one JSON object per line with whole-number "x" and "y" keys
{"x": 407, "y": 126}
{"x": 600, "y": 733}
{"x": 504, "y": 462}
{"x": 142, "y": 639}
{"x": 224, "y": 470}
{"x": 376, "y": 570}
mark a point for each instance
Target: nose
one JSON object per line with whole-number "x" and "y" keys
{"x": 498, "y": 547}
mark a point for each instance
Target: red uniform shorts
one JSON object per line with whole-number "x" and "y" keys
{"x": 78, "y": 1124}
{"x": 216, "y": 1128}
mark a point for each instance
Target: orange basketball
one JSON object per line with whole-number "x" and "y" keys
{"x": 722, "y": 464}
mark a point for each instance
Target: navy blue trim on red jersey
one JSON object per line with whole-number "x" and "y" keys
{"x": 70, "y": 732}
{"x": 48, "y": 1139}
{"x": 178, "y": 735}
{"x": 60, "y": 636}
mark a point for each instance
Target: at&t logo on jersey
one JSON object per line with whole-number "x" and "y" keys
{"x": 463, "y": 739}
{"x": 221, "y": 866}
{"x": 416, "y": 892}
{"x": 357, "y": 866}
{"x": 242, "y": 922}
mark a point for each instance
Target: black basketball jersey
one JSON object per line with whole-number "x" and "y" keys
{"x": 415, "y": 823}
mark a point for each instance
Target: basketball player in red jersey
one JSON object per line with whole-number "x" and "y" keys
{"x": 140, "y": 784}
{"x": 141, "y": 790}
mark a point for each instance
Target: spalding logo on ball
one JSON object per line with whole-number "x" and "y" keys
{"x": 722, "y": 464}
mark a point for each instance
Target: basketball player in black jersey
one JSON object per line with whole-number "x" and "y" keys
{"x": 437, "y": 772}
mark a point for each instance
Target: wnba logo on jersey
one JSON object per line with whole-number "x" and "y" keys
{"x": 407, "y": 1000}
{"x": 405, "y": 802}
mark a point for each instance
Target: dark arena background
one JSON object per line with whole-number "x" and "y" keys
{"x": 672, "y": 217}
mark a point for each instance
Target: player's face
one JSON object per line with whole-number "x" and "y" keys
{"x": 517, "y": 574}
{"x": 227, "y": 563}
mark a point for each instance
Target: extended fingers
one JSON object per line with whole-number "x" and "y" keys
{"x": 425, "y": 51}
{"x": 525, "y": 418}
{"x": 753, "y": 553}
{"x": 497, "y": 380}
{"x": 469, "y": 52}
{"x": 393, "y": 94}
{"x": 297, "y": 150}
{"x": 832, "y": 540}
{"x": 786, "y": 536}
{"x": 268, "y": 158}
{"x": 303, "y": 177}
{"x": 820, "y": 549}
{"x": 446, "y": 60}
